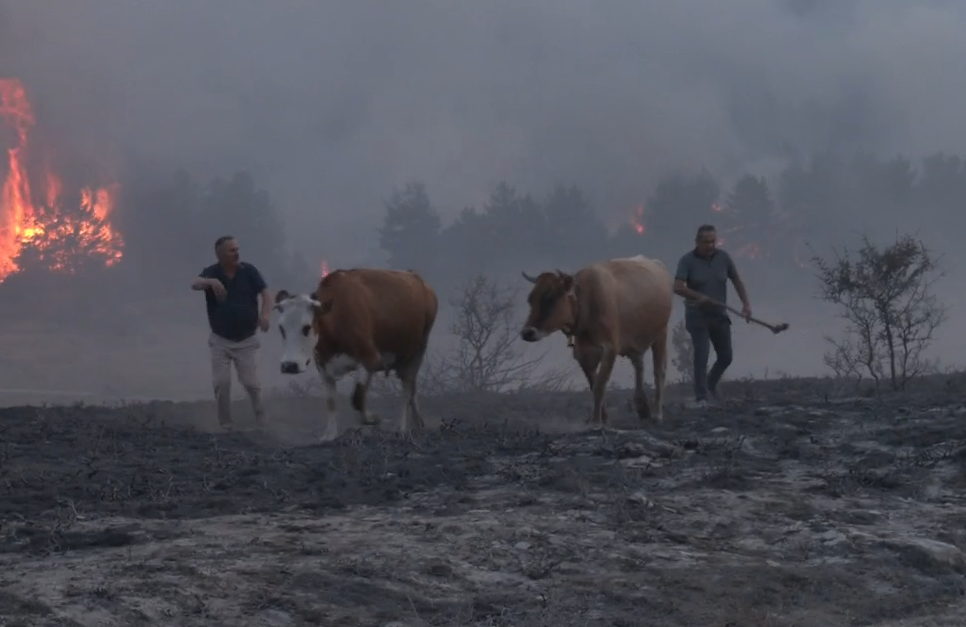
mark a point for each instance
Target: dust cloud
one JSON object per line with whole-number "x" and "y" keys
{"x": 330, "y": 106}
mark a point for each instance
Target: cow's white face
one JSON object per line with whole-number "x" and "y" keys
{"x": 299, "y": 333}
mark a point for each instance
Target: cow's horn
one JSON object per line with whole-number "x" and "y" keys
{"x": 528, "y": 277}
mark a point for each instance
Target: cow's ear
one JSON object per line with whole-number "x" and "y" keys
{"x": 281, "y": 295}
{"x": 322, "y": 308}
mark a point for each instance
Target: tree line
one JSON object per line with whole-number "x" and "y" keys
{"x": 773, "y": 223}
{"x": 769, "y": 223}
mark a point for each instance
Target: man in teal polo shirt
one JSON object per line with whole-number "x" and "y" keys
{"x": 702, "y": 278}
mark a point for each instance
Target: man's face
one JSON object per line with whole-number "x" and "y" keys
{"x": 706, "y": 242}
{"x": 228, "y": 253}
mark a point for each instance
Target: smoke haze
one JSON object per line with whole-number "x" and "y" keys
{"x": 331, "y": 104}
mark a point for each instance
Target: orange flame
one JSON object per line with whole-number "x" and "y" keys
{"x": 325, "y": 268}
{"x": 57, "y": 239}
{"x": 637, "y": 221}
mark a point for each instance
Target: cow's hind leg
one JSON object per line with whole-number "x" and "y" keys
{"x": 640, "y": 397}
{"x": 414, "y": 367}
{"x": 659, "y": 355}
{"x": 408, "y": 373}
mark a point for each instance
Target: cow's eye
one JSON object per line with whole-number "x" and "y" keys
{"x": 306, "y": 329}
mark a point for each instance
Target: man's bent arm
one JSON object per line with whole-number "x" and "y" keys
{"x": 681, "y": 281}
{"x": 681, "y": 289}
{"x": 201, "y": 283}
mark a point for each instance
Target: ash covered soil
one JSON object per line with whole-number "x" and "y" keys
{"x": 785, "y": 508}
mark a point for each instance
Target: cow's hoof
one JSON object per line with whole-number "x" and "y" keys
{"x": 370, "y": 419}
{"x": 642, "y": 408}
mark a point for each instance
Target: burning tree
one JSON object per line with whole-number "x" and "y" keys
{"x": 885, "y": 297}
{"x": 38, "y": 228}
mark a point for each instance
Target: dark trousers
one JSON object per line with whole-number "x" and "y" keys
{"x": 707, "y": 332}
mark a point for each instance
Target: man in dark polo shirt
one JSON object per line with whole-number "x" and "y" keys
{"x": 231, "y": 291}
{"x": 702, "y": 277}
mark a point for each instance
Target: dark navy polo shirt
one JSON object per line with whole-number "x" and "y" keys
{"x": 235, "y": 318}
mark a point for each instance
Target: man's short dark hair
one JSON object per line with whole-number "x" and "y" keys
{"x": 704, "y": 228}
{"x": 221, "y": 240}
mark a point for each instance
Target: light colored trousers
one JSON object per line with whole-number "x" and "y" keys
{"x": 244, "y": 355}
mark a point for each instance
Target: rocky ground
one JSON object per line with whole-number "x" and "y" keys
{"x": 792, "y": 506}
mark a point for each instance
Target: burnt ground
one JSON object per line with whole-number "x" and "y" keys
{"x": 788, "y": 507}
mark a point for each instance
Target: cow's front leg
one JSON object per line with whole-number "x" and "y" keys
{"x": 331, "y": 416}
{"x": 600, "y": 383}
{"x": 359, "y": 394}
{"x": 370, "y": 362}
{"x": 589, "y": 358}
{"x": 331, "y": 371}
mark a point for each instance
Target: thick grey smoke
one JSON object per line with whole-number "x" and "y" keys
{"x": 331, "y": 104}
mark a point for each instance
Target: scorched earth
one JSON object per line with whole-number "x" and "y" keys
{"x": 789, "y": 507}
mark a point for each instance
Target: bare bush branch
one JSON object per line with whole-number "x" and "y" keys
{"x": 486, "y": 358}
{"x": 682, "y": 355}
{"x": 885, "y": 297}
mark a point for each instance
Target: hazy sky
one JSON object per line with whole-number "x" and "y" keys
{"x": 331, "y": 103}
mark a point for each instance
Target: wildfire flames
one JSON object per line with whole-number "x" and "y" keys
{"x": 59, "y": 232}
{"x": 638, "y": 221}
{"x": 744, "y": 238}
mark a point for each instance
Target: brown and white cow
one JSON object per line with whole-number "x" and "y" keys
{"x": 610, "y": 308}
{"x": 363, "y": 321}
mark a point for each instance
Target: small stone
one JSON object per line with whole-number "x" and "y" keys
{"x": 522, "y": 546}
{"x": 640, "y": 499}
{"x": 833, "y": 537}
{"x": 768, "y": 411}
{"x": 934, "y": 550}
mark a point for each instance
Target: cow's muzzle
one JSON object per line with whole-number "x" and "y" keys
{"x": 289, "y": 367}
{"x": 529, "y": 334}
